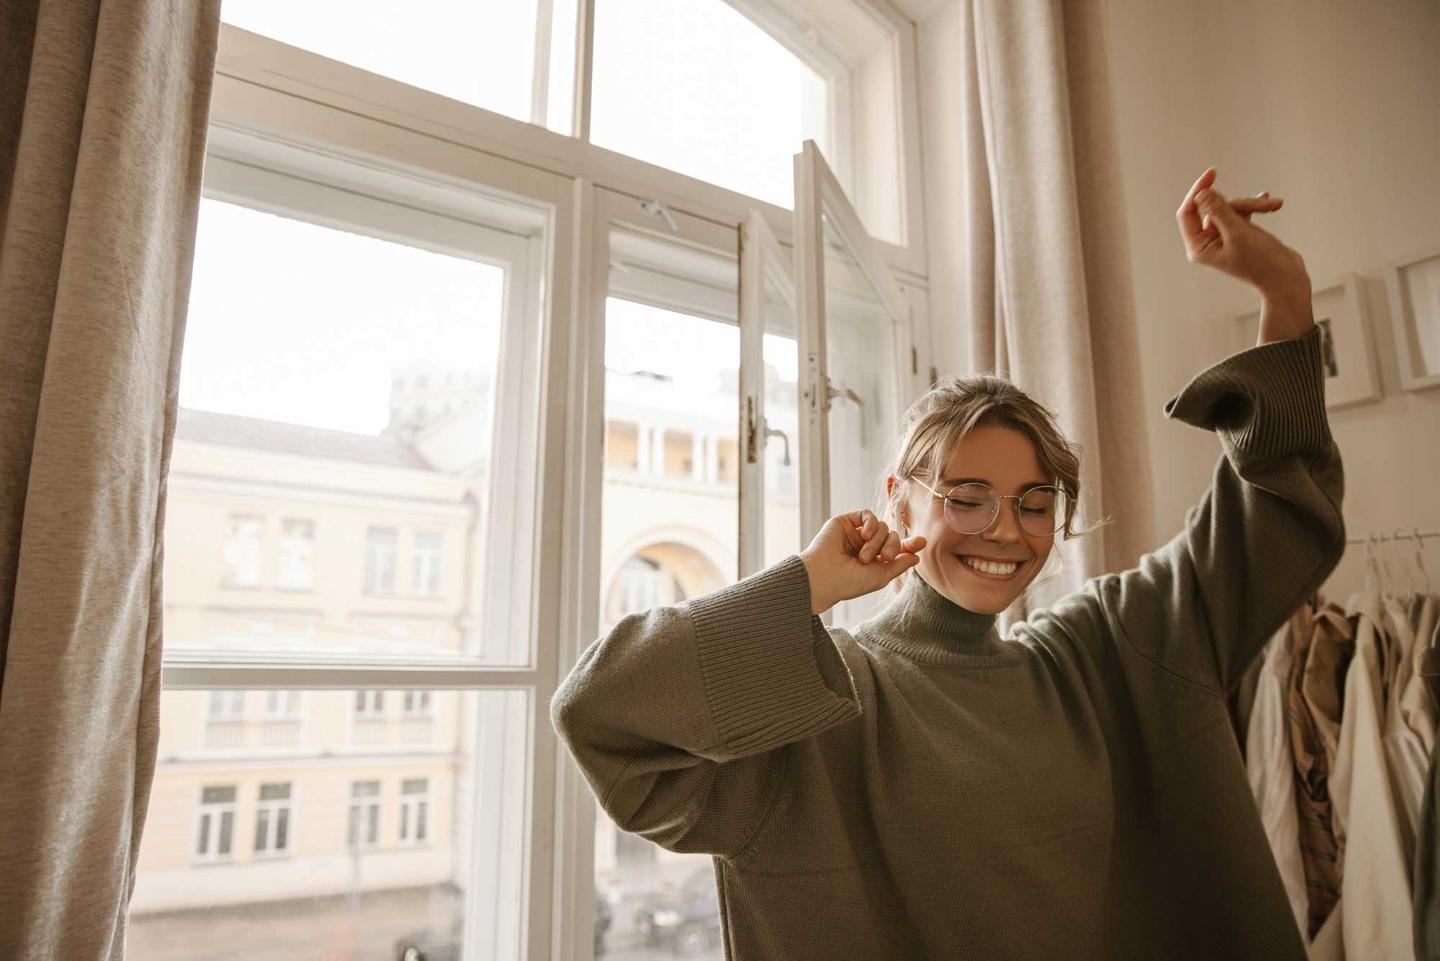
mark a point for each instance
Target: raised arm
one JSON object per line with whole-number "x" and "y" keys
{"x": 678, "y": 716}
{"x": 1269, "y": 529}
{"x": 1266, "y": 533}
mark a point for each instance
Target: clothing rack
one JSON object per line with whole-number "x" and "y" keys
{"x": 1401, "y": 534}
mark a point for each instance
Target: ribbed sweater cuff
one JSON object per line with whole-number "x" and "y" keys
{"x": 1268, "y": 401}
{"x": 760, "y": 650}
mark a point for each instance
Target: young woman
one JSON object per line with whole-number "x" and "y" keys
{"x": 919, "y": 787}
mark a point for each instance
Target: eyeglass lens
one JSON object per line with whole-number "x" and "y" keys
{"x": 972, "y": 508}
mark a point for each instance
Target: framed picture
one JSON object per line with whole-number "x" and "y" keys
{"x": 1346, "y": 341}
{"x": 1414, "y": 287}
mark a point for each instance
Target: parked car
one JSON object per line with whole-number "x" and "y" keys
{"x": 428, "y": 944}
{"x": 686, "y": 921}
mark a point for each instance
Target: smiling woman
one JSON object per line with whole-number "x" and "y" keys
{"x": 982, "y": 556}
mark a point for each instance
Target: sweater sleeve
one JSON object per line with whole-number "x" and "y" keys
{"x": 1265, "y": 535}
{"x": 677, "y": 717}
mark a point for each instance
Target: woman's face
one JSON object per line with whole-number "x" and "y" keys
{"x": 1005, "y": 459}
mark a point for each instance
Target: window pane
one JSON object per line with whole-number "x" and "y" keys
{"x": 781, "y": 356}
{"x": 481, "y": 53}
{"x": 329, "y": 873}
{"x": 695, "y": 86}
{"x": 297, "y": 554}
{"x": 860, "y": 353}
{"x": 335, "y": 433}
{"x": 668, "y": 374}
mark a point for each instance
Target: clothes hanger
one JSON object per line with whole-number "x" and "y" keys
{"x": 1420, "y": 561}
{"x": 1372, "y": 573}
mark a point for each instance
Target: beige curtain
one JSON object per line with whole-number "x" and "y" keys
{"x": 103, "y": 110}
{"x": 1029, "y": 243}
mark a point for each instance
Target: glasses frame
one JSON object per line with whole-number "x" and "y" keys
{"x": 999, "y": 503}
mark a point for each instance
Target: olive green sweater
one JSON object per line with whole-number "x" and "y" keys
{"x": 919, "y": 787}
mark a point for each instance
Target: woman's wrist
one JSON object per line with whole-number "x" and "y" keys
{"x": 1285, "y": 311}
{"x": 818, "y": 604}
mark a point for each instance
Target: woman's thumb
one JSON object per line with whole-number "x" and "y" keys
{"x": 1214, "y": 208}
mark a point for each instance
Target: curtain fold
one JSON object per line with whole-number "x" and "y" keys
{"x": 103, "y": 113}
{"x": 1042, "y": 252}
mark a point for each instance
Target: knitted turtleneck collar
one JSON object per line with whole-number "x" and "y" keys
{"x": 927, "y": 626}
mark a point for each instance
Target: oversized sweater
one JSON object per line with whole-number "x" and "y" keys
{"x": 920, "y": 788}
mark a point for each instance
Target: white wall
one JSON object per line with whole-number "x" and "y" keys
{"x": 1333, "y": 105}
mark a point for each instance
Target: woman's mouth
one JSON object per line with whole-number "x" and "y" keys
{"x": 989, "y": 570}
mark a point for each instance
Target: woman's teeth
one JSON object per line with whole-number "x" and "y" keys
{"x": 989, "y": 567}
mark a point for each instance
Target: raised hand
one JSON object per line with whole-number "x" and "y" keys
{"x": 855, "y": 553}
{"x": 1218, "y": 233}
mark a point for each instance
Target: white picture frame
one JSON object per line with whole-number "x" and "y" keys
{"x": 1352, "y": 375}
{"x": 1413, "y": 284}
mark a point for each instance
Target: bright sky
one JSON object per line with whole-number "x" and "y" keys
{"x": 295, "y": 322}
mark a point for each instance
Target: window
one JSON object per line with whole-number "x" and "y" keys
{"x": 380, "y": 560}
{"x": 272, "y": 820}
{"x": 243, "y": 538}
{"x": 425, "y": 562}
{"x": 297, "y": 554}
{"x": 369, "y": 705}
{"x": 227, "y": 705}
{"x": 217, "y": 823}
{"x": 282, "y": 705}
{"x": 362, "y": 828}
{"x": 414, "y": 810}
{"x": 641, "y": 587}
{"x": 516, "y": 58}
{"x": 385, "y": 300}
{"x": 417, "y": 704}
{"x": 696, "y": 86}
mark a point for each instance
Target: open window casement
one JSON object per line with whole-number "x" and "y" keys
{"x": 770, "y": 524}
{"x": 855, "y": 360}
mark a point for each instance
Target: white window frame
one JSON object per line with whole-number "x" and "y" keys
{"x": 378, "y": 562}
{"x": 364, "y": 812}
{"x": 225, "y": 706}
{"x": 272, "y": 807}
{"x": 216, "y": 812}
{"x": 282, "y": 704}
{"x": 408, "y": 815}
{"x": 268, "y": 93}
{"x": 368, "y": 705}
{"x": 227, "y": 576}
{"x": 290, "y": 561}
{"x": 427, "y": 565}
{"x": 417, "y": 704}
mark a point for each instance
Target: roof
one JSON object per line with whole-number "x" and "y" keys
{"x": 229, "y": 430}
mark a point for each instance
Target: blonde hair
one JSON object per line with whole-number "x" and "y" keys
{"x": 946, "y": 413}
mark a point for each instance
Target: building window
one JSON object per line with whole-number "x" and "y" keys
{"x": 297, "y": 554}
{"x": 283, "y": 705}
{"x": 414, "y": 810}
{"x": 243, "y": 538}
{"x": 369, "y": 705}
{"x": 380, "y": 560}
{"x": 642, "y": 585}
{"x": 417, "y": 704}
{"x": 425, "y": 562}
{"x": 272, "y": 820}
{"x": 362, "y": 829}
{"x": 217, "y": 823}
{"x": 227, "y": 705}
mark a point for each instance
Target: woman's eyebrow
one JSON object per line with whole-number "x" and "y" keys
{"x": 971, "y": 480}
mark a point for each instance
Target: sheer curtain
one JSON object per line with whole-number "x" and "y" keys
{"x": 1029, "y": 253}
{"x": 103, "y": 111}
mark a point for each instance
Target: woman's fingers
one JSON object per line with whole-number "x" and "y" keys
{"x": 875, "y": 541}
{"x": 1187, "y": 214}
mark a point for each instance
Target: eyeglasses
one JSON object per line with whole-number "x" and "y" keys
{"x": 972, "y": 508}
